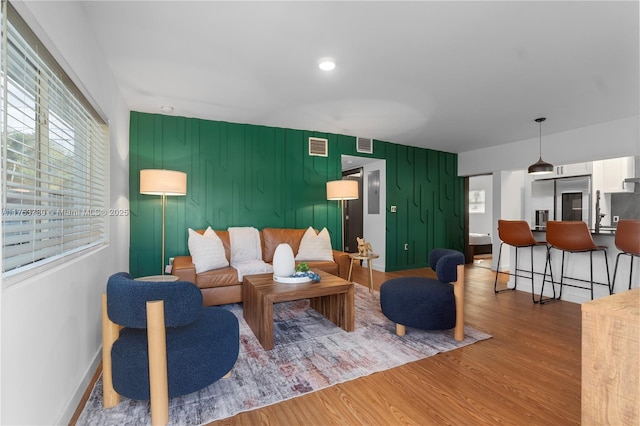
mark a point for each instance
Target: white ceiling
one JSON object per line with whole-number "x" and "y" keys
{"x": 452, "y": 76}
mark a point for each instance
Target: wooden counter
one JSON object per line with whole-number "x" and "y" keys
{"x": 610, "y": 360}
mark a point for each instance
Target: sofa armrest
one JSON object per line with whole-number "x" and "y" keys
{"x": 184, "y": 268}
{"x": 344, "y": 262}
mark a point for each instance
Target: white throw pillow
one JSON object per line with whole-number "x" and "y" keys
{"x": 207, "y": 251}
{"x": 315, "y": 247}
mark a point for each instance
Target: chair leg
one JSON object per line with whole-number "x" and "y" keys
{"x": 458, "y": 293}
{"x": 630, "y": 272}
{"x": 110, "y": 333}
{"x": 591, "y": 272}
{"x": 495, "y": 282}
{"x": 606, "y": 264}
{"x": 615, "y": 272}
{"x": 158, "y": 381}
{"x": 515, "y": 269}
{"x": 401, "y": 330}
{"x": 542, "y": 300}
{"x": 561, "y": 276}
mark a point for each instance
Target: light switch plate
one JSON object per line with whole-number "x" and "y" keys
{"x": 393, "y": 209}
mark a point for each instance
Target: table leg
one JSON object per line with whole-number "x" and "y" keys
{"x": 350, "y": 270}
{"x": 338, "y": 308}
{"x": 258, "y": 312}
{"x": 370, "y": 277}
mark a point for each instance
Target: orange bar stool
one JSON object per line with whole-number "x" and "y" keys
{"x": 573, "y": 237}
{"x": 628, "y": 242}
{"x": 517, "y": 233}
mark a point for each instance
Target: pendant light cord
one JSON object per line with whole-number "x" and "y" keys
{"x": 540, "y": 120}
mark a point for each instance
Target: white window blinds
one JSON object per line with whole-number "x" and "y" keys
{"x": 54, "y": 156}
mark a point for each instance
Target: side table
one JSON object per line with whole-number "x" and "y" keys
{"x": 368, "y": 258}
{"x": 159, "y": 278}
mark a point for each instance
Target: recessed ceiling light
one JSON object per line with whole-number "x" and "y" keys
{"x": 327, "y": 64}
{"x": 167, "y": 109}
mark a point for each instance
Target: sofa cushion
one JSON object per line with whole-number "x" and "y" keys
{"x": 245, "y": 244}
{"x": 207, "y": 250}
{"x": 217, "y": 278}
{"x": 271, "y": 237}
{"x": 315, "y": 247}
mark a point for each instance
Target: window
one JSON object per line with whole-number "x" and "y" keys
{"x": 54, "y": 151}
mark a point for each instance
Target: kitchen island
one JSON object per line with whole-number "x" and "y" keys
{"x": 576, "y": 266}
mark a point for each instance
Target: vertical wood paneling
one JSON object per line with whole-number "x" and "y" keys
{"x": 246, "y": 175}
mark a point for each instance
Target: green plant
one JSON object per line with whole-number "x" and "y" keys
{"x": 302, "y": 267}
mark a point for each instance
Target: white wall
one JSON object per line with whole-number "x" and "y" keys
{"x": 50, "y": 326}
{"x": 482, "y": 223}
{"x": 613, "y": 139}
{"x": 508, "y": 203}
{"x": 374, "y": 225}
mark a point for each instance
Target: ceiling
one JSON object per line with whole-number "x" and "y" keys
{"x": 452, "y": 76}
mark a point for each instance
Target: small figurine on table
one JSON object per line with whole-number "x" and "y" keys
{"x": 364, "y": 248}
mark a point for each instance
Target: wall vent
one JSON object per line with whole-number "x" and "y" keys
{"x": 318, "y": 147}
{"x": 364, "y": 145}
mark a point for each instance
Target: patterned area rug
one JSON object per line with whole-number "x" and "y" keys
{"x": 310, "y": 353}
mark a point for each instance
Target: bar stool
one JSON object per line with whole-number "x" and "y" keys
{"x": 628, "y": 242}
{"x": 517, "y": 233}
{"x": 573, "y": 237}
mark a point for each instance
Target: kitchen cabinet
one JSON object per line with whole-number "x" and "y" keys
{"x": 614, "y": 172}
{"x": 574, "y": 169}
{"x": 567, "y": 170}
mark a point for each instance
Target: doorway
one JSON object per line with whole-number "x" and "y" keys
{"x": 367, "y": 215}
{"x": 353, "y": 224}
{"x": 479, "y": 220}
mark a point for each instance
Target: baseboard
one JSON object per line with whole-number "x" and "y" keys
{"x": 72, "y": 405}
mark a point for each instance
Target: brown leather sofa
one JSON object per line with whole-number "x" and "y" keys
{"x": 221, "y": 286}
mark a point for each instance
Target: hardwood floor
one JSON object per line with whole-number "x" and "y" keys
{"x": 528, "y": 373}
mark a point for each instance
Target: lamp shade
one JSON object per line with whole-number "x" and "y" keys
{"x": 159, "y": 182}
{"x": 342, "y": 190}
{"x": 540, "y": 167}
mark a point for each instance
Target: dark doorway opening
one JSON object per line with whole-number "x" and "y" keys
{"x": 352, "y": 220}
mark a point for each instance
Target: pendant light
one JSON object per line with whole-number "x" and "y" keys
{"x": 540, "y": 167}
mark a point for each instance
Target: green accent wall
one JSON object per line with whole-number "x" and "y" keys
{"x": 250, "y": 175}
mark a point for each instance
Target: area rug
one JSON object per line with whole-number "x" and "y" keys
{"x": 310, "y": 353}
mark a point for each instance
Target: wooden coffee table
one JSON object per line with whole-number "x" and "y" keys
{"x": 332, "y": 297}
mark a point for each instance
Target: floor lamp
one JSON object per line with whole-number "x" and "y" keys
{"x": 163, "y": 183}
{"x": 342, "y": 190}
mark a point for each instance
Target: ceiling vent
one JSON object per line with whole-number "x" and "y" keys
{"x": 318, "y": 147}
{"x": 364, "y": 145}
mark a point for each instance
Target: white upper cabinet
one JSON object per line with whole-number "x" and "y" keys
{"x": 574, "y": 169}
{"x": 567, "y": 170}
{"x": 614, "y": 172}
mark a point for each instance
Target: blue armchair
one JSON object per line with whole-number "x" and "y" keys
{"x": 426, "y": 303}
{"x": 158, "y": 342}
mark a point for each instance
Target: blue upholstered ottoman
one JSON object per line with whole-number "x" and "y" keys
{"x": 419, "y": 302}
{"x": 427, "y": 303}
